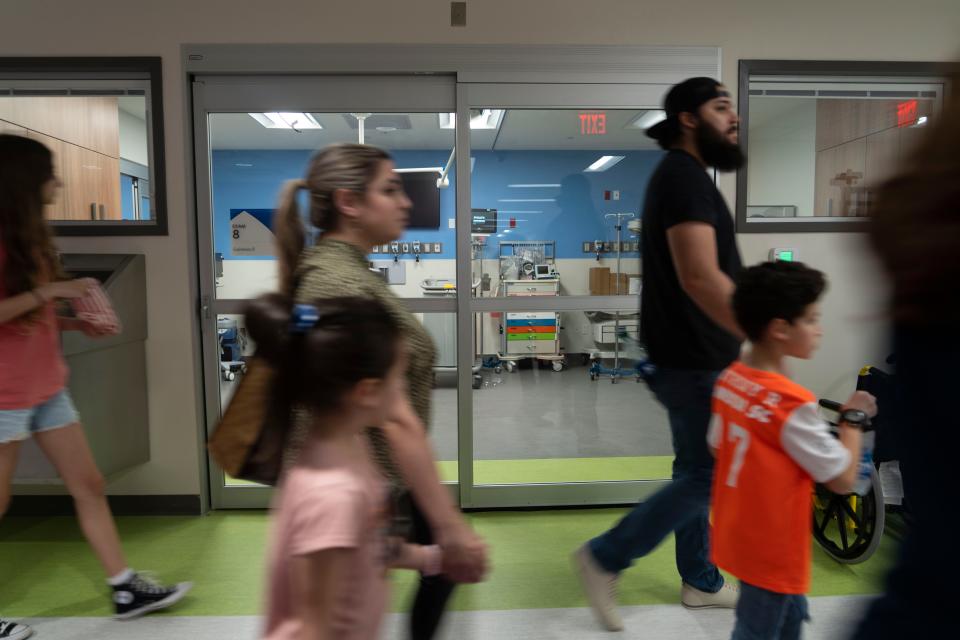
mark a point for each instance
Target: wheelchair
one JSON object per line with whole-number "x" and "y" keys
{"x": 849, "y": 527}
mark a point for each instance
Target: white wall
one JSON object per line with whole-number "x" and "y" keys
{"x": 816, "y": 29}
{"x": 133, "y": 139}
{"x": 782, "y": 153}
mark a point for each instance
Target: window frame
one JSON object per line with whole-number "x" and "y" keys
{"x": 147, "y": 68}
{"x": 747, "y": 68}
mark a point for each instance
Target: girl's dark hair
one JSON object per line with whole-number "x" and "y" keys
{"x": 353, "y": 339}
{"x": 30, "y": 255}
{"x": 915, "y": 226}
{"x": 339, "y": 166}
{"x": 772, "y": 290}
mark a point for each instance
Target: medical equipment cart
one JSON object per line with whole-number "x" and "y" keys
{"x": 528, "y": 268}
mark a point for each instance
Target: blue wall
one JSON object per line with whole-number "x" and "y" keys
{"x": 251, "y": 180}
{"x": 126, "y": 196}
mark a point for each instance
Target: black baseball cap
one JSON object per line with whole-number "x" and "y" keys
{"x": 686, "y": 96}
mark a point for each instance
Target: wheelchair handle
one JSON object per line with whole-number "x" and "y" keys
{"x": 833, "y": 405}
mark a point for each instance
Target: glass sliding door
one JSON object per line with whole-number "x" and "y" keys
{"x": 253, "y": 134}
{"x": 557, "y": 179}
{"x": 524, "y": 265}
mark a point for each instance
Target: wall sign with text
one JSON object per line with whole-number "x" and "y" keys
{"x": 251, "y": 232}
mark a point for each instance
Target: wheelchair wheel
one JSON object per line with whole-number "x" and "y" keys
{"x": 849, "y": 527}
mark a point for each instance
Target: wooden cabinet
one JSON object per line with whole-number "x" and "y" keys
{"x": 84, "y": 135}
{"x": 90, "y": 122}
{"x": 860, "y": 144}
{"x": 840, "y": 179}
{"x": 109, "y": 189}
{"x": 9, "y": 127}
{"x": 57, "y": 210}
{"x": 91, "y": 185}
{"x": 882, "y": 156}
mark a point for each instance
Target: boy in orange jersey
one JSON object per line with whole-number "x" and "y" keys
{"x": 771, "y": 446}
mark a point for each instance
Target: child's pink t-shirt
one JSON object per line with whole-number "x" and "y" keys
{"x": 337, "y": 507}
{"x": 32, "y": 369}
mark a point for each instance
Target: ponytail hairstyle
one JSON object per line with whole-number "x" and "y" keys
{"x": 30, "y": 257}
{"x": 339, "y": 166}
{"x": 342, "y": 341}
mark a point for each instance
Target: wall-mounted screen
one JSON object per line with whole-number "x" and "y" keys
{"x": 421, "y": 188}
{"x": 483, "y": 221}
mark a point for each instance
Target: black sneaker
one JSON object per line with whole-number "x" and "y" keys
{"x": 14, "y": 630}
{"x": 141, "y": 594}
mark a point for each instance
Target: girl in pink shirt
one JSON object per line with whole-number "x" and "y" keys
{"x": 340, "y": 365}
{"x": 34, "y": 400}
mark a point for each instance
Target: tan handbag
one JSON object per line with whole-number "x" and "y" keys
{"x": 249, "y": 441}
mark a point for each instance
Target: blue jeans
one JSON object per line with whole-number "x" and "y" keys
{"x": 767, "y": 615}
{"x": 683, "y": 505}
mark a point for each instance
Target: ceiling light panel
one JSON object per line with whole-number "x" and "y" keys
{"x": 603, "y": 163}
{"x": 286, "y": 120}
{"x": 479, "y": 119}
{"x": 646, "y": 119}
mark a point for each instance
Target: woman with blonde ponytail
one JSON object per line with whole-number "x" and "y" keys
{"x": 357, "y": 201}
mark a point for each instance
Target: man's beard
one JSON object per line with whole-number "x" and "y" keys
{"x": 717, "y": 151}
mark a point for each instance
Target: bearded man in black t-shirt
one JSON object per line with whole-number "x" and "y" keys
{"x": 690, "y": 258}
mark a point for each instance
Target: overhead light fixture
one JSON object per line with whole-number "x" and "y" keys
{"x": 533, "y": 186}
{"x": 604, "y": 163}
{"x": 646, "y": 119}
{"x": 922, "y": 120}
{"x": 479, "y": 119}
{"x": 526, "y": 200}
{"x": 516, "y": 211}
{"x": 386, "y": 129}
{"x": 286, "y": 120}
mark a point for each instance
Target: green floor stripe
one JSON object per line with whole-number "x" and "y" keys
{"x": 47, "y": 569}
{"x": 552, "y": 470}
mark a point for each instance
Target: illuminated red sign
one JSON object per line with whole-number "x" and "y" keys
{"x": 593, "y": 124}
{"x": 906, "y": 113}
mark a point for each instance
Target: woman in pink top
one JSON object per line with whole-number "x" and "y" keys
{"x": 342, "y": 362}
{"x": 34, "y": 401}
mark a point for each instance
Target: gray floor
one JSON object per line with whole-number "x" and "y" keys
{"x": 540, "y": 413}
{"x": 833, "y": 618}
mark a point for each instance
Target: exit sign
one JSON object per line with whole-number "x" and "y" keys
{"x": 783, "y": 255}
{"x": 593, "y": 124}
{"x": 906, "y": 113}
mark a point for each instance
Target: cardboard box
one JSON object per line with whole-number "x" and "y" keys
{"x": 599, "y": 281}
{"x": 624, "y": 284}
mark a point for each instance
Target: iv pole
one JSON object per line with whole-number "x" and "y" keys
{"x": 597, "y": 369}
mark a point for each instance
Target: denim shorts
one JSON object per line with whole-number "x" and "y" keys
{"x": 20, "y": 424}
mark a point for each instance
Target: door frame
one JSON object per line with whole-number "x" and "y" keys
{"x": 398, "y": 78}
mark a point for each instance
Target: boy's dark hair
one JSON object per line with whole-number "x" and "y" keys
{"x": 772, "y": 290}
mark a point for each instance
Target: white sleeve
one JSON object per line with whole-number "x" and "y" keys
{"x": 807, "y": 439}
{"x": 714, "y": 433}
